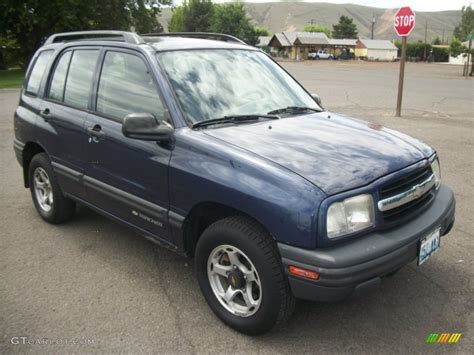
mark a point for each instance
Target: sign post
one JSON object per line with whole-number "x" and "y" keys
{"x": 404, "y": 23}
{"x": 469, "y": 38}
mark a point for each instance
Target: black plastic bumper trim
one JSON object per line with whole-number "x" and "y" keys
{"x": 151, "y": 209}
{"x": 67, "y": 172}
{"x": 18, "y": 148}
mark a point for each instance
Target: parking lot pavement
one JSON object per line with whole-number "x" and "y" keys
{"x": 101, "y": 284}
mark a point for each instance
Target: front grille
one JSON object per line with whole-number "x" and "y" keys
{"x": 413, "y": 207}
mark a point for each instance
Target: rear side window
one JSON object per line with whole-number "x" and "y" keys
{"x": 37, "y": 72}
{"x": 56, "y": 90}
{"x": 79, "y": 77}
{"x": 126, "y": 86}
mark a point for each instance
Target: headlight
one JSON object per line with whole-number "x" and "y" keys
{"x": 350, "y": 215}
{"x": 436, "y": 171}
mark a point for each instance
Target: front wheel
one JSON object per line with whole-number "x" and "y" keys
{"x": 240, "y": 274}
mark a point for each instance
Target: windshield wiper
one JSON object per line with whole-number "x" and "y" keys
{"x": 233, "y": 119}
{"x": 293, "y": 109}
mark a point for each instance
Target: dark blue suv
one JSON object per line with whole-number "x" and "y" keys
{"x": 207, "y": 146}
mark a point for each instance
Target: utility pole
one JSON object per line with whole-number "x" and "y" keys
{"x": 426, "y": 31}
{"x": 469, "y": 55}
{"x": 373, "y": 25}
{"x": 442, "y": 41}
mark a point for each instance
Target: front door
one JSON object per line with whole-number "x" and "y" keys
{"x": 125, "y": 177}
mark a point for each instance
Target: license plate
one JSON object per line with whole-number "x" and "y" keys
{"x": 428, "y": 246}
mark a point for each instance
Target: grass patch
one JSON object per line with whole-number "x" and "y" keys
{"x": 11, "y": 78}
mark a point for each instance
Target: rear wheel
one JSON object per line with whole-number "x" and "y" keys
{"x": 240, "y": 274}
{"x": 47, "y": 196}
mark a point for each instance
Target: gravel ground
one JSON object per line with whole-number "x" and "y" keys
{"x": 98, "y": 283}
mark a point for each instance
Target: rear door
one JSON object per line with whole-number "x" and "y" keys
{"x": 64, "y": 111}
{"x": 125, "y": 177}
{"x": 27, "y": 112}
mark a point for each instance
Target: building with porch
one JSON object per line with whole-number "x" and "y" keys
{"x": 297, "y": 45}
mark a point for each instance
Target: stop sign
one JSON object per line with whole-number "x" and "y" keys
{"x": 404, "y": 21}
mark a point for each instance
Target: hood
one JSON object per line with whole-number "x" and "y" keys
{"x": 334, "y": 152}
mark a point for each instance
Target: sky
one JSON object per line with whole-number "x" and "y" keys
{"x": 417, "y": 5}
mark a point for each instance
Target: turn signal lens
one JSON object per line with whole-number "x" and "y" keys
{"x": 313, "y": 275}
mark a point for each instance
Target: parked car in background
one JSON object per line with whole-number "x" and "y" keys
{"x": 320, "y": 54}
{"x": 346, "y": 56}
{"x": 214, "y": 151}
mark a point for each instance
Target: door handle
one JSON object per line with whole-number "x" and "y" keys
{"x": 96, "y": 133}
{"x": 46, "y": 114}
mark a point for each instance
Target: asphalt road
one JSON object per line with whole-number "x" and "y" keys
{"x": 98, "y": 283}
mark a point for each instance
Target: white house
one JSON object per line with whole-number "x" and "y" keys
{"x": 376, "y": 49}
{"x": 460, "y": 59}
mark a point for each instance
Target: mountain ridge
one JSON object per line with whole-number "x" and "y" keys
{"x": 293, "y": 16}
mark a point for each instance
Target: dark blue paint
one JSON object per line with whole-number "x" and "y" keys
{"x": 335, "y": 154}
{"x": 284, "y": 177}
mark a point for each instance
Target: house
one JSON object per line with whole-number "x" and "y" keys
{"x": 263, "y": 41}
{"x": 375, "y": 49}
{"x": 297, "y": 45}
{"x": 340, "y": 45}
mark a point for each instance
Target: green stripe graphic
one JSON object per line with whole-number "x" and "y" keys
{"x": 432, "y": 338}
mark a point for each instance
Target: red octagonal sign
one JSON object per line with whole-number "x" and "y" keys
{"x": 404, "y": 21}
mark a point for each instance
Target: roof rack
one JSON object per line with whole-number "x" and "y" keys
{"x": 209, "y": 35}
{"x": 128, "y": 37}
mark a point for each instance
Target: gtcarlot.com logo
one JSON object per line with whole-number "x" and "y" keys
{"x": 24, "y": 340}
{"x": 444, "y": 338}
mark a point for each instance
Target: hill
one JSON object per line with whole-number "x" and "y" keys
{"x": 293, "y": 16}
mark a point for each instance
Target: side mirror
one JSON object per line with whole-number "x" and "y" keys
{"x": 145, "y": 126}
{"x": 317, "y": 98}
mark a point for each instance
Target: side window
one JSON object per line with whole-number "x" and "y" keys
{"x": 126, "y": 86}
{"x": 37, "y": 72}
{"x": 79, "y": 77}
{"x": 56, "y": 90}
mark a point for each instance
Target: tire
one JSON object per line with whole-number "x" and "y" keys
{"x": 239, "y": 235}
{"x": 56, "y": 208}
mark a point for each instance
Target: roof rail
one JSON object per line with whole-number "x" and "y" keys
{"x": 210, "y": 35}
{"x": 129, "y": 37}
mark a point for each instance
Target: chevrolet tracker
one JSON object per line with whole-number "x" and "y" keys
{"x": 207, "y": 146}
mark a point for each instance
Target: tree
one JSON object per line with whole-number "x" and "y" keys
{"x": 456, "y": 47}
{"x": 192, "y": 16}
{"x": 9, "y": 50}
{"x": 345, "y": 28}
{"x": 30, "y": 22}
{"x": 437, "y": 41}
{"x": 466, "y": 26}
{"x": 205, "y": 16}
{"x": 260, "y": 31}
{"x": 177, "y": 20}
{"x": 317, "y": 28}
{"x": 232, "y": 19}
{"x": 144, "y": 15}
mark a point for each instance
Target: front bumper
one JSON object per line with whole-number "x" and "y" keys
{"x": 360, "y": 264}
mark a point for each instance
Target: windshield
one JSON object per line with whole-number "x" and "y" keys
{"x": 216, "y": 83}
